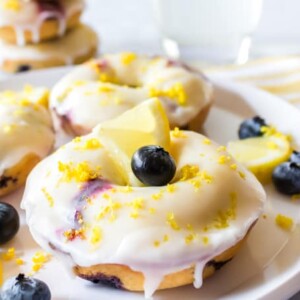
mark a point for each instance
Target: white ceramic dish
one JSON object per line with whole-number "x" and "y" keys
{"x": 268, "y": 267}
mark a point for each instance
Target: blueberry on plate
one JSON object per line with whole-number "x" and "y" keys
{"x": 286, "y": 178}
{"x": 153, "y": 166}
{"x": 251, "y": 127}
{"x": 9, "y": 222}
{"x": 295, "y": 157}
{"x": 25, "y": 288}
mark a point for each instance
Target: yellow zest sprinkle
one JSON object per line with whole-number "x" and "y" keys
{"x": 171, "y": 221}
{"x": 242, "y": 174}
{"x": 175, "y": 92}
{"x": 152, "y": 210}
{"x": 48, "y": 197}
{"x": 157, "y": 196}
{"x": 224, "y": 217}
{"x": 134, "y": 214}
{"x": 205, "y": 240}
{"x": 90, "y": 144}
{"x": 177, "y": 133}
{"x": 77, "y": 139}
{"x": 295, "y": 197}
{"x": 106, "y": 89}
{"x": 79, "y": 82}
{"x": 188, "y": 172}
{"x": 196, "y": 183}
{"x": 137, "y": 203}
{"x": 106, "y": 196}
{"x": 128, "y": 57}
{"x": 221, "y": 149}
{"x": 72, "y": 234}
{"x": 39, "y": 259}
{"x": 233, "y": 166}
{"x": 206, "y": 177}
{"x": 96, "y": 236}
{"x": 189, "y": 238}
{"x": 171, "y": 188}
{"x": 126, "y": 189}
{"x": 284, "y": 222}
{"x": 9, "y": 254}
{"x": 207, "y": 141}
{"x": 156, "y": 243}
{"x": 79, "y": 173}
{"x": 166, "y": 238}
{"x": 19, "y": 261}
{"x": 223, "y": 159}
{"x": 12, "y": 5}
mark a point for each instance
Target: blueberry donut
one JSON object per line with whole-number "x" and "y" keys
{"x": 142, "y": 238}
{"x": 75, "y": 47}
{"x": 104, "y": 88}
{"x": 26, "y": 135}
{"x": 32, "y": 21}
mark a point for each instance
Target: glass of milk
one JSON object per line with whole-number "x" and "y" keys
{"x": 207, "y": 30}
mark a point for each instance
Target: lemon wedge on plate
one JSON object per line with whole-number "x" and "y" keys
{"x": 145, "y": 124}
{"x": 261, "y": 154}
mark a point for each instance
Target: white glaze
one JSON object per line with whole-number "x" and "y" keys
{"x": 130, "y": 241}
{"x": 24, "y": 129}
{"x": 28, "y": 18}
{"x": 79, "y": 97}
{"x": 74, "y": 44}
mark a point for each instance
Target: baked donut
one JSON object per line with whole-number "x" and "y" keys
{"x": 142, "y": 238}
{"x": 104, "y": 88}
{"x": 26, "y": 135}
{"x": 32, "y": 21}
{"x": 75, "y": 47}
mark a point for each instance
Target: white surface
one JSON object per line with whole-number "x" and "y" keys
{"x": 268, "y": 266}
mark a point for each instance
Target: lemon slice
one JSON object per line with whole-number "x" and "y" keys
{"x": 261, "y": 154}
{"x": 145, "y": 124}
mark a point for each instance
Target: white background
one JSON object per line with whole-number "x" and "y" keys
{"x": 129, "y": 25}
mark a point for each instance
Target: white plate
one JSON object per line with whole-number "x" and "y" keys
{"x": 268, "y": 266}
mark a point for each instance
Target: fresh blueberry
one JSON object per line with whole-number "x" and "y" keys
{"x": 251, "y": 127}
{"x": 9, "y": 222}
{"x": 153, "y": 166}
{"x": 286, "y": 178}
{"x": 23, "y": 68}
{"x": 25, "y": 288}
{"x": 295, "y": 157}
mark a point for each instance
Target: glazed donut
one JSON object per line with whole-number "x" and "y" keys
{"x": 104, "y": 88}
{"x": 26, "y": 135}
{"x": 75, "y": 47}
{"x": 32, "y": 21}
{"x": 149, "y": 237}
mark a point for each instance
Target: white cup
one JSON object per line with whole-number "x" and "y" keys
{"x": 208, "y": 30}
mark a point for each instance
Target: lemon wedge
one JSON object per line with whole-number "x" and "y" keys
{"x": 261, "y": 154}
{"x": 145, "y": 124}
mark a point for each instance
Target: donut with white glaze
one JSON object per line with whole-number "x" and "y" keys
{"x": 32, "y": 21}
{"x": 26, "y": 135}
{"x": 77, "y": 46}
{"x": 104, "y": 88}
{"x": 142, "y": 238}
